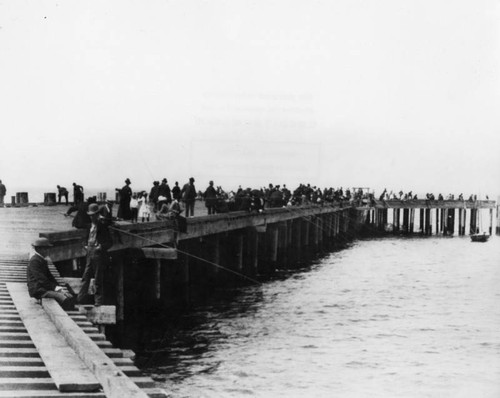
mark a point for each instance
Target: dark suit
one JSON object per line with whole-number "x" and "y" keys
{"x": 42, "y": 284}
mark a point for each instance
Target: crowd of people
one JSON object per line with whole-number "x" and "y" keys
{"x": 163, "y": 203}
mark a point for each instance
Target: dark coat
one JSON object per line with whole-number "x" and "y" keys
{"x": 3, "y": 190}
{"x": 81, "y": 219}
{"x": 124, "y": 208}
{"x": 210, "y": 196}
{"x": 164, "y": 190}
{"x": 103, "y": 236}
{"x": 39, "y": 278}
{"x": 176, "y": 192}
{"x": 107, "y": 215}
{"x": 188, "y": 192}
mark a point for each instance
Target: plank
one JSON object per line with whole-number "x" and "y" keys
{"x": 115, "y": 383}
{"x": 68, "y": 372}
{"x": 160, "y": 253}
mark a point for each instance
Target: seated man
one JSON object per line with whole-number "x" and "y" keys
{"x": 41, "y": 283}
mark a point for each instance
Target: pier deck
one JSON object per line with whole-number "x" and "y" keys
{"x": 251, "y": 236}
{"x": 23, "y": 371}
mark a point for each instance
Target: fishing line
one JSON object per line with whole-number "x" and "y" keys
{"x": 187, "y": 254}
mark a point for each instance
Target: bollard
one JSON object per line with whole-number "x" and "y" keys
{"x": 49, "y": 199}
{"x": 12, "y": 200}
{"x": 22, "y": 198}
{"x": 101, "y": 197}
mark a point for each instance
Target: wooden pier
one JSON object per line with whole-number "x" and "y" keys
{"x": 36, "y": 356}
{"x": 220, "y": 249}
{"x": 435, "y": 217}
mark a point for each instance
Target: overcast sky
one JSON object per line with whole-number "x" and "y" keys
{"x": 403, "y": 94}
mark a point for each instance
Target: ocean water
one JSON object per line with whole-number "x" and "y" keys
{"x": 391, "y": 317}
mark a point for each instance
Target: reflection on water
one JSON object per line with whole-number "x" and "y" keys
{"x": 383, "y": 318}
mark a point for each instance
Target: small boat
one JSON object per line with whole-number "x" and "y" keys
{"x": 479, "y": 237}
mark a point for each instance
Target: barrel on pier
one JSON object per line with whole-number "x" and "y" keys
{"x": 22, "y": 198}
{"x": 49, "y": 199}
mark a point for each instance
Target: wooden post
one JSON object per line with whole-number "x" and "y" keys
{"x": 428, "y": 221}
{"x": 297, "y": 232}
{"x": 412, "y": 219}
{"x": 437, "y": 221}
{"x": 306, "y": 230}
{"x": 317, "y": 231}
{"x": 395, "y": 221}
{"x": 422, "y": 221}
{"x": 157, "y": 278}
{"x": 460, "y": 222}
{"x": 273, "y": 242}
{"x": 120, "y": 291}
{"x": 239, "y": 251}
{"x": 215, "y": 242}
{"x": 321, "y": 229}
{"x": 491, "y": 221}
{"x": 406, "y": 216}
{"x": 253, "y": 250}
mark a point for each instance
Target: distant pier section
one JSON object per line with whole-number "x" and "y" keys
{"x": 446, "y": 217}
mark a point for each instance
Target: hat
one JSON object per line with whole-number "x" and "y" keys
{"x": 93, "y": 208}
{"x": 127, "y": 181}
{"x": 41, "y": 242}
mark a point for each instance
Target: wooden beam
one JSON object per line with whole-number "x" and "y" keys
{"x": 160, "y": 253}
{"x": 114, "y": 382}
{"x": 66, "y": 368}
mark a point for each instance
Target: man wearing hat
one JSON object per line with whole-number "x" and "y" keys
{"x": 106, "y": 212}
{"x": 41, "y": 282}
{"x": 97, "y": 244}
{"x": 189, "y": 196}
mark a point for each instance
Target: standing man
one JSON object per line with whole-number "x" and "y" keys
{"x": 3, "y": 191}
{"x": 164, "y": 193}
{"x": 154, "y": 193}
{"x": 41, "y": 282}
{"x": 210, "y": 197}
{"x": 62, "y": 192}
{"x": 77, "y": 194}
{"x": 189, "y": 196}
{"x": 97, "y": 244}
{"x": 176, "y": 191}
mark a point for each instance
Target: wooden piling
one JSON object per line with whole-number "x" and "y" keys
{"x": 252, "y": 250}
{"x": 395, "y": 221}
{"x": 120, "y": 291}
{"x": 157, "y": 278}
{"x": 472, "y": 225}
{"x": 491, "y": 221}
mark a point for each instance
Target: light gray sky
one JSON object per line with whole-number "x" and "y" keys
{"x": 396, "y": 93}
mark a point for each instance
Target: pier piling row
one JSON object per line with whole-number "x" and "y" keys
{"x": 239, "y": 246}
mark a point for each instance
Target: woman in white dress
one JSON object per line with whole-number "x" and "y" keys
{"x": 144, "y": 207}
